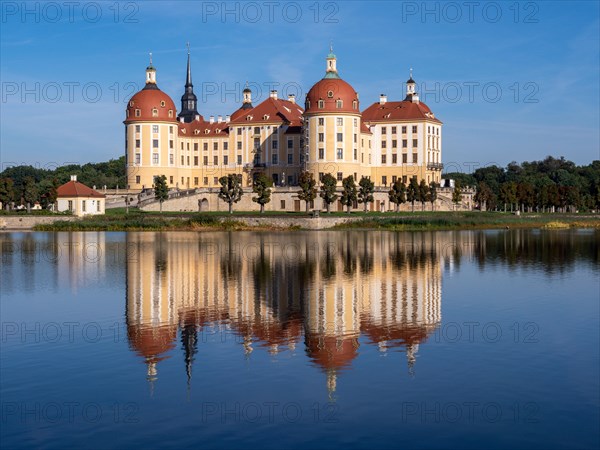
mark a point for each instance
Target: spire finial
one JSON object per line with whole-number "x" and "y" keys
{"x": 330, "y": 46}
{"x": 411, "y": 72}
{"x": 150, "y": 58}
{"x": 246, "y": 84}
{"x": 188, "y": 47}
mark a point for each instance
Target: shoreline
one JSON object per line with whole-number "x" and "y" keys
{"x": 417, "y": 221}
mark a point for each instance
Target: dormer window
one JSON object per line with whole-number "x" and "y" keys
{"x": 170, "y": 113}
{"x": 321, "y": 104}
{"x": 339, "y": 103}
{"x": 138, "y": 113}
{"x": 217, "y": 130}
{"x": 127, "y": 113}
{"x": 329, "y": 94}
{"x": 162, "y": 103}
{"x": 196, "y": 131}
{"x": 354, "y": 104}
{"x": 131, "y": 103}
{"x": 248, "y": 117}
{"x": 154, "y": 112}
{"x": 266, "y": 117}
{"x": 307, "y": 104}
{"x": 207, "y": 131}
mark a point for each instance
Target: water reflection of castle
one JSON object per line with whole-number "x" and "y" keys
{"x": 275, "y": 290}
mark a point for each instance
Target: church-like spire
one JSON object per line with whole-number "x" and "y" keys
{"x": 189, "y": 101}
{"x": 331, "y": 70}
{"x": 150, "y": 75}
{"x": 411, "y": 92}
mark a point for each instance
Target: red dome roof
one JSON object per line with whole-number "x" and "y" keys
{"x": 330, "y": 90}
{"x": 148, "y": 99}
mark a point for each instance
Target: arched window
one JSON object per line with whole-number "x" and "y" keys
{"x": 321, "y": 104}
{"x": 154, "y": 112}
{"x": 339, "y": 103}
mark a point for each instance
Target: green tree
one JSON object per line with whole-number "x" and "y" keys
{"x": 231, "y": 190}
{"x": 48, "y": 198}
{"x": 423, "y": 193}
{"x": 365, "y": 191}
{"x": 457, "y": 193}
{"x": 308, "y": 188}
{"x": 483, "y": 196}
{"x": 397, "y": 193}
{"x": 29, "y": 192}
{"x": 328, "y": 187}
{"x": 7, "y": 192}
{"x": 413, "y": 194}
{"x": 508, "y": 194}
{"x": 261, "y": 186}
{"x": 349, "y": 192}
{"x": 525, "y": 195}
{"x": 432, "y": 197}
{"x": 161, "y": 189}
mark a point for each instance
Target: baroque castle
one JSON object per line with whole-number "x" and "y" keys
{"x": 388, "y": 140}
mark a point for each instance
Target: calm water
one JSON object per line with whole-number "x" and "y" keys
{"x": 317, "y": 339}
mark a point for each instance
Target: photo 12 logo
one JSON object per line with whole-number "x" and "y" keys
{"x": 69, "y": 12}
{"x": 470, "y": 12}
{"x": 270, "y": 12}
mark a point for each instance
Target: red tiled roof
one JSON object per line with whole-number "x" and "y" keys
{"x": 339, "y": 89}
{"x": 199, "y": 128}
{"x": 278, "y": 111}
{"x": 364, "y": 128}
{"x": 395, "y": 111}
{"x": 77, "y": 189}
{"x": 148, "y": 99}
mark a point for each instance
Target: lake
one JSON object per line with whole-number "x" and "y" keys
{"x": 360, "y": 339}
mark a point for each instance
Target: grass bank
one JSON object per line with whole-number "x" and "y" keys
{"x": 418, "y": 221}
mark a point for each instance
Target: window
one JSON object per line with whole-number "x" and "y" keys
{"x": 171, "y": 179}
{"x": 215, "y": 146}
{"x": 171, "y": 159}
{"x": 205, "y": 161}
{"x": 404, "y": 158}
{"x": 170, "y": 144}
{"x": 98, "y": 205}
{"x": 256, "y": 143}
{"x": 138, "y": 143}
{"x": 137, "y": 181}
{"x": 404, "y": 179}
{"x": 225, "y": 160}
{"x": 155, "y": 128}
{"x": 394, "y": 143}
{"x": 188, "y": 160}
{"x": 137, "y": 158}
{"x": 404, "y": 143}
{"x": 383, "y": 130}
{"x": 274, "y": 159}
{"x": 321, "y": 121}
{"x": 290, "y": 158}
{"x": 205, "y": 181}
{"x": 415, "y": 142}
{"x": 384, "y": 180}
{"x": 340, "y": 137}
{"x": 355, "y": 154}
{"x": 154, "y": 158}
{"x": 195, "y": 181}
{"x": 394, "y": 179}
{"x": 282, "y": 204}
{"x": 340, "y": 121}
{"x": 340, "y": 176}
{"x": 394, "y": 158}
{"x": 239, "y": 160}
{"x": 188, "y": 145}
{"x": 71, "y": 201}
{"x": 383, "y": 144}
{"x": 290, "y": 144}
{"x": 393, "y": 130}
{"x": 321, "y": 137}
{"x": 205, "y": 146}
{"x": 354, "y": 104}
{"x": 216, "y": 160}
{"x": 383, "y": 159}
{"x": 404, "y": 130}
{"x": 340, "y": 153}
{"x": 83, "y": 205}
{"x": 182, "y": 160}
{"x": 274, "y": 144}
{"x": 138, "y": 113}
{"x": 329, "y": 94}
{"x": 195, "y": 160}
{"x": 225, "y": 145}
{"x": 321, "y": 176}
{"x": 321, "y": 104}
{"x": 215, "y": 180}
{"x": 338, "y": 104}
{"x": 239, "y": 145}
{"x": 321, "y": 153}
{"x": 170, "y": 113}
{"x": 415, "y": 158}
{"x": 414, "y": 129}
{"x": 137, "y": 128}
{"x": 154, "y": 143}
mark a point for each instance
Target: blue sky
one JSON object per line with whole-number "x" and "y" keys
{"x": 510, "y": 80}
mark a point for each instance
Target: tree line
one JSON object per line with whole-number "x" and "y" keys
{"x": 550, "y": 185}
{"x": 27, "y": 185}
